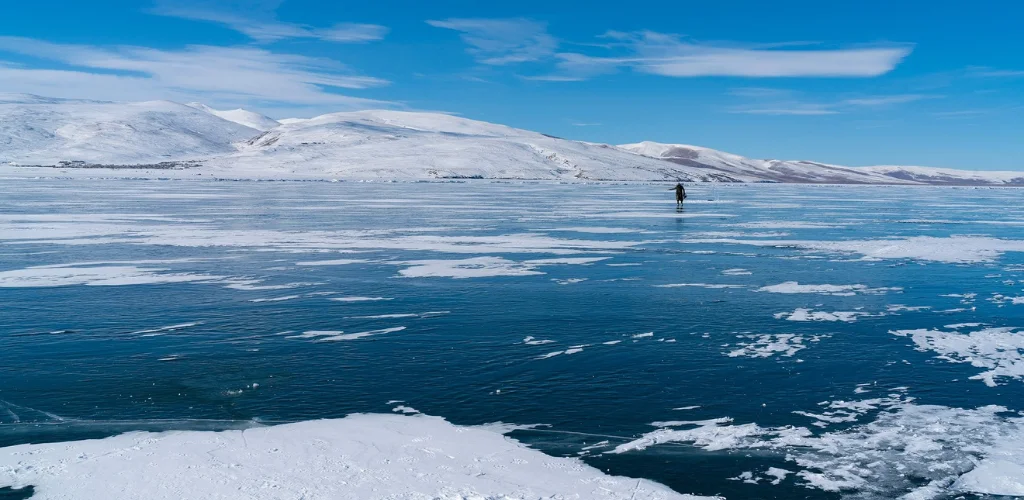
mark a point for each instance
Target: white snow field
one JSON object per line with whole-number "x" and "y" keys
{"x": 373, "y": 145}
{"x": 240, "y": 116}
{"x": 362, "y": 456}
{"x": 41, "y": 131}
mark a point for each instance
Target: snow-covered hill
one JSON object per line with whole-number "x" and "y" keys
{"x": 813, "y": 172}
{"x": 932, "y": 175}
{"x": 44, "y": 131}
{"x": 378, "y": 145}
{"x": 240, "y": 116}
{"x": 406, "y": 145}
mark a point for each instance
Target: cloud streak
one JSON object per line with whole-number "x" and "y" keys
{"x": 499, "y": 42}
{"x": 272, "y": 30}
{"x": 782, "y": 102}
{"x": 229, "y": 75}
{"x": 669, "y": 55}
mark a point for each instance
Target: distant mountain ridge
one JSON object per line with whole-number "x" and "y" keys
{"x": 38, "y": 132}
{"x": 813, "y": 172}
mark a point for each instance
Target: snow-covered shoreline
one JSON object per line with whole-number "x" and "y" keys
{"x": 362, "y": 456}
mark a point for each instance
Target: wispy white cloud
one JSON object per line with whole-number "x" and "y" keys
{"x": 499, "y": 42}
{"x": 552, "y": 78}
{"x": 886, "y": 100}
{"x": 227, "y": 75}
{"x": 792, "y": 109}
{"x": 262, "y": 27}
{"x": 765, "y": 101}
{"x": 961, "y": 113}
{"x": 670, "y": 55}
{"x": 987, "y": 72}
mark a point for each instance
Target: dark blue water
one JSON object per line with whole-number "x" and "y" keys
{"x": 148, "y": 321}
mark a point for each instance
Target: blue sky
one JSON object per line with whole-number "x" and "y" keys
{"x": 854, "y": 83}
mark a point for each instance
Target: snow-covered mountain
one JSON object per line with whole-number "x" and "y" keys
{"x": 240, "y": 116}
{"x": 379, "y": 145}
{"x": 813, "y": 172}
{"x": 37, "y": 130}
{"x": 407, "y": 145}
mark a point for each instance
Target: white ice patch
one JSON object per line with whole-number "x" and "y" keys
{"x": 359, "y": 299}
{"x": 190, "y": 234}
{"x": 597, "y": 230}
{"x": 360, "y": 456}
{"x": 254, "y": 285}
{"x": 571, "y": 350}
{"x": 902, "y": 308}
{"x": 838, "y": 290}
{"x": 335, "y": 262}
{"x": 954, "y": 249}
{"x": 359, "y": 335}
{"x": 997, "y": 350}
{"x": 428, "y": 314}
{"x": 921, "y": 451}
{"x": 483, "y": 267}
{"x": 768, "y": 345}
{"x": 736, "y": 272}
{"x": 802, "y": 314}
{"x": 699, "y": 285}
{"x": 569, "y": 281}
{"x": 163, "y": 330}
{"x": 96, "y": 276}
{"x": 534, "y": 341}
{"x": 276, "y": 299}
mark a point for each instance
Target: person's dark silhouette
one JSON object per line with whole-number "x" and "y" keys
{"x": 680, "y": 194}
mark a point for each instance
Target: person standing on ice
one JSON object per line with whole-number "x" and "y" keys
{"x": 680, "y": 194}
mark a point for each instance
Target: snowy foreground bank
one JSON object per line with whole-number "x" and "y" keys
{"x": 362, "y": 456}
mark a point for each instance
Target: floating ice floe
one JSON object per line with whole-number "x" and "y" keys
{"x": 254, "y": 285}
{"x": 838, "y": 290}
{"x": 155, "y": 332}
{"x": 359, "y": 335}
{"x": 903, "y": 450}
{"x": 276, "y": 299}
{"x": 905, "y": 308}
{"x": 954, "y": 249}
{"x": 97, "y": 276}
{"x": 358, "y": 457}
{"x": 571, "y": 350}
{"x": 533, "y": 341}
{"x": 335, "y": 262}
{"x": 1000, "y": 351}
{"x": 773, "y": 475}
{"x": 736, "y": 272}
{"x": 569, "y": 281}
{"x": 359, "y": 299}
{"x": 483, "y": 267}
{"x": 699, "y": 285}
{"x": 803, "y": 314}
{"x": 768, "y": 345}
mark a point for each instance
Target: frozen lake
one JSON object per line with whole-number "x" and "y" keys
{"x": 767, "y": 342}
